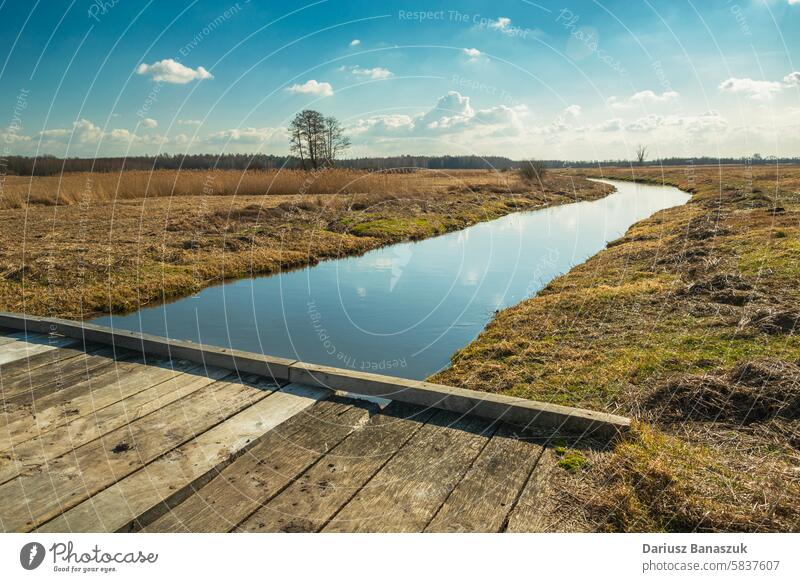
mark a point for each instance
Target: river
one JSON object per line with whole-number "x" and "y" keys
{"x": 403, "y": 310}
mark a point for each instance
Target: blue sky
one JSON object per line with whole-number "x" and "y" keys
{"x": 572, "y": 80}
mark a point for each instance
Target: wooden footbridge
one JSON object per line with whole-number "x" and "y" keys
{"x": 107, "y": 430}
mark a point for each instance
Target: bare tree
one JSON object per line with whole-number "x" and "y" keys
{"x": 641, "y": 153}
{"x": 315, "y": 139}
{"x": 297, "y": 139}
{"x": 335, "y": 141}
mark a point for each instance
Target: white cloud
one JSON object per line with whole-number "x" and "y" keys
{"x": 758, "y": 90}
{"x": 450, "y": 110}
{"x": 793, "y": 79}
{"x": 645, "y": 124}
{"x": 609, "y": 125}
{"x": 189, "y": 122}
{"x": 82, "y": 131}
{"x": 149, "y": 122}
{"x": 710, "y": 121}
{"x": 572, "y": 111}
{"x": 472, "y": 53}
{"x": 375, "y": 73}
{"x": 312, "y": 87}
{"x": 9, "y": 136}
{"x": 384, "y": 125}
{"x": 503, "y": 24}
{"x": 642, "y": 98}
{"x": 652, "y": 97}
{"x": 355, "y": 42}
{"x": 85, "y": 133}
{"x": 171, "y": 71}
{"x": 119, "y": 136}
{"x": 452, "y": 113}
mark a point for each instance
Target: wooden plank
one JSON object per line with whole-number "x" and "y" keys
{"x": 406, "y": 493}
{"x": 54, "y": 379}
{"x": 488, "y": 492}
{"x": 41, "y": 447}
{"x": 84, "y": 398}
{"x": 147, "y": 494}
{"x": 33, "y": 338}
{"x": 312, "y": 499}
{"x": 539, "y": 501}
{"x": 47, "y": 491}
{"x": 20, "y": 349}
{"x": 19, "y": 376}
{"x": 30, "y": 368}
{"x": 278, "y": 457}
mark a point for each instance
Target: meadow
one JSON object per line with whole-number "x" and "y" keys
{"x": 689, "y": 325}
{"x": 82, "y": 244}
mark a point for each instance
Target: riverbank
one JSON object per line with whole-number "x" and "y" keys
{"x": 95, "y": 255}
{"x": 687, "y": 324}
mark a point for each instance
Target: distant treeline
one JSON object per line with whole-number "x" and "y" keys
{"x": 755, "y": 160}
{"x": 49, "y": 165}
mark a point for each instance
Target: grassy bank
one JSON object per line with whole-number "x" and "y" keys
{"x": 688, "y": 324}
{"x": 84, "y": 244}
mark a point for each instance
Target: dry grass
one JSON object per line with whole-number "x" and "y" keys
{"x": 687, "y": 323}
{"x": 88, "y": 188}
{"x": 117, "y": 249}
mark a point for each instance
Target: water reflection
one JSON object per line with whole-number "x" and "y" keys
{"x": 403, "y": 310}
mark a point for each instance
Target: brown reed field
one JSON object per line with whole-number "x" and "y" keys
{"x": 86, "y": 187}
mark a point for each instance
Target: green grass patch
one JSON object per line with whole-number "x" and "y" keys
{"x": 570, "y": 459}
{"x": 398, "y": 228}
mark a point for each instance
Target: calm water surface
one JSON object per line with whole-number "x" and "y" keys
{"x": 403, "y": 310}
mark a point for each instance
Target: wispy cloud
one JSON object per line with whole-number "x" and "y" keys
{"x": 171, "y": 71}
{"x": 502, "y": 24}
{"x": 355, "y": 42}
{"x": 752, "y": 88}
{"x": 642, "y": 98}
{"x": 374, "y": 73}
{"x": 248, "y": 135}
{"x": 149, "y": 122}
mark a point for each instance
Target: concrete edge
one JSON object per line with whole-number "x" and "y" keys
{"x": 518, "y": 411}
{"x": 243, "y": 362}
